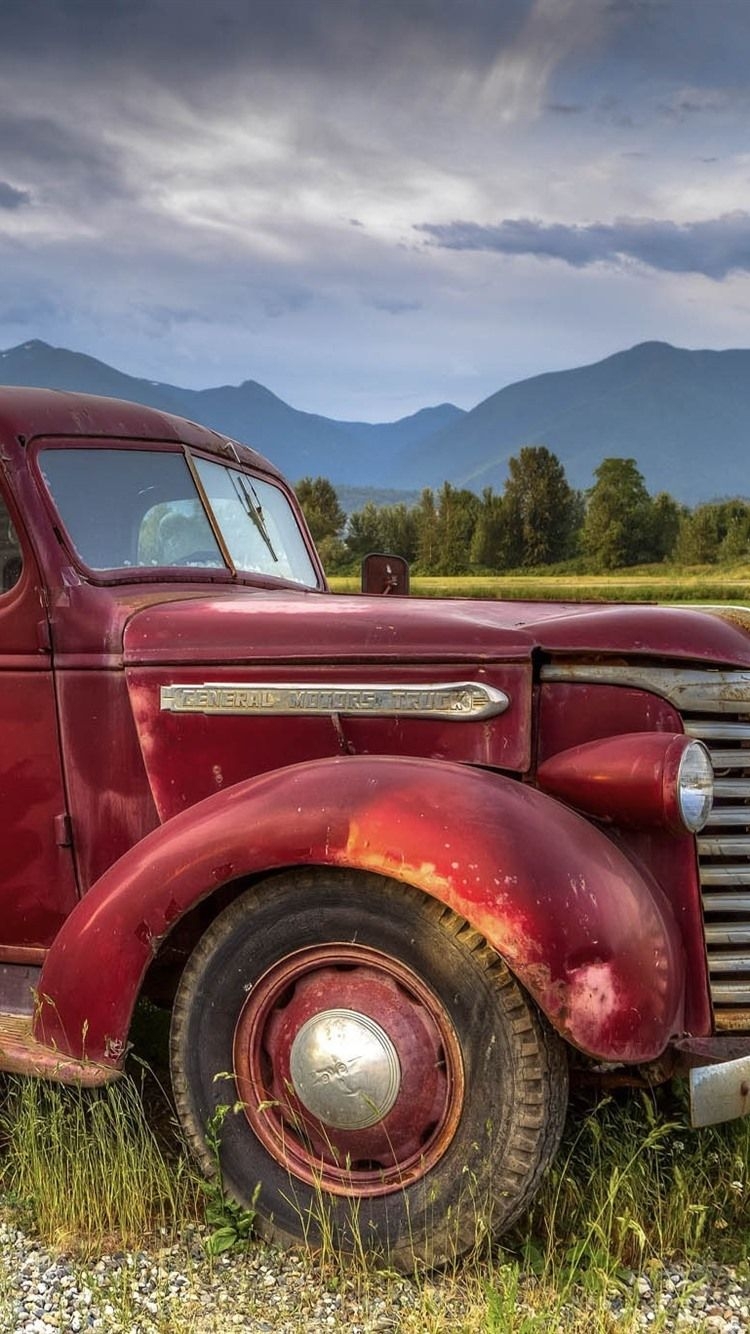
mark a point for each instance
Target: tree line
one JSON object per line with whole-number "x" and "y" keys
{"x": 537, "y": 520}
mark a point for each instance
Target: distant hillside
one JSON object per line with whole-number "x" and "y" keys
{"x": 300, "y": 443}
{"x": 684, "y": 416}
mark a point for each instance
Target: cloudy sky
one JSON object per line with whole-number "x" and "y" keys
{"x": 373, "y": 205}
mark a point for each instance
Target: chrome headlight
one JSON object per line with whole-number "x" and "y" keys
{"x": 641, "y": 779}
{"x": 695, "y": 786}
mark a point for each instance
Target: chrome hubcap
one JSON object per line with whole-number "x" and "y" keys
{"x": 345, "y": 1069}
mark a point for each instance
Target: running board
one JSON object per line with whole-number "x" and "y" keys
{"x": 22, "y": 1054}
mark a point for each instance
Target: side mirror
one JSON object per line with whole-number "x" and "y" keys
{"x": 385, "y": 574}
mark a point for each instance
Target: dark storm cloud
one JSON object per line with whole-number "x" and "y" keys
{"x": 714, "y": 247}
{"x": 224, "y": 190}
{"x": 70, "y": 156}
{"x": 687, "y": 42}
{"x": 169, "y": 36}
{"x": 10, "y": 197}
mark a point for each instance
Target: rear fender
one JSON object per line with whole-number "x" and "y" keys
{"x": 590, "y": 939}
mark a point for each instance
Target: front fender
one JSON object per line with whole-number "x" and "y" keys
{"x": 593, "y": 942}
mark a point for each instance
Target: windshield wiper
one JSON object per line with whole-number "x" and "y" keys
{"x": 248, "y": 499}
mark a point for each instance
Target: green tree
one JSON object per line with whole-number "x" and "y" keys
{"x": 712, "y": 532}
{"x": 427, "y": 533}
{"x": 321, "y": 507}
{"x": 540, "y": 508}
{"x": 666, "y": 517}
{"x": 618, "y": 527}
{"x": 457, "y": 512}
{"x": 698, "y": 537}
{"x": 398, "y": 530}
{"x": 735, "y": 544}
{"x": 488, "y": 543}
{"x": 364, "y": 532}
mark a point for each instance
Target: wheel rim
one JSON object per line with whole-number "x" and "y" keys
{"x": 348, "y": 1069}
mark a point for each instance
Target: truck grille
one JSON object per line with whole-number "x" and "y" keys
{"x": 724, "y": 859}
{"x": 715, "y": 708}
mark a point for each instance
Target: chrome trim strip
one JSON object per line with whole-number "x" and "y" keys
{"x": 731, "y": 993}
{"x": 705, "y": 692}
{"x": 726, "y": 902}
{"x": 728, "y": 816}
{"x": 731, "y": 787}
{"x": 729, "y": 759}
{"x": 728, "y": 963}
{"x": 710, "y": 731}
{"x": 729, "y": 933}
{"x": 725, "y": 875}
{"x": 459, "y": 701}
{"x": 726, "y": 845}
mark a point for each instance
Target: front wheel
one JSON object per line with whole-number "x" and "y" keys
{"x": 393, "y": 1088}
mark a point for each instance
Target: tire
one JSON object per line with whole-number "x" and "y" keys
{"x": 392, "y": 1088}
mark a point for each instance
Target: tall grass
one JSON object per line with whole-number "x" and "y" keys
{"x": 86, "y": 1168}
{"x": 634, "y": 1182}
{"x": 633, "y": 1188}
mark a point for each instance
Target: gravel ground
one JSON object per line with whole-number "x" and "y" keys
{"x": 262, "y": 1291}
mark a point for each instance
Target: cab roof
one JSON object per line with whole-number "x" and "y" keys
{"x": 28, "y": 413}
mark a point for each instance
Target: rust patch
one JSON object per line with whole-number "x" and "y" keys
{"x": 21, "y": 1053}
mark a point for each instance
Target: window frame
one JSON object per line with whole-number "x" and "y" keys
{"x": 7, "y": 593}
{"x": 228, "y": 575}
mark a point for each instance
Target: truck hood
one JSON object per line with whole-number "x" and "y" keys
{"x": 256, "y": 627}
{"x": 235, "y": 684}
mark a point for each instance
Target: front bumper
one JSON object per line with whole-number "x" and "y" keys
{"x": 720, "y": 1092}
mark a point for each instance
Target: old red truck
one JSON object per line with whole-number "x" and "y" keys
{"x": 393, "y": 863}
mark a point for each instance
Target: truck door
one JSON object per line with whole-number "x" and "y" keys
{"x": 37, "y": 885}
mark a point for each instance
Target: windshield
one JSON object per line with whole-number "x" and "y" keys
{"x": 142, "y": 509}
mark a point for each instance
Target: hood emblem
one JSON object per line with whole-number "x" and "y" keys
{"x": 462, "y": 701}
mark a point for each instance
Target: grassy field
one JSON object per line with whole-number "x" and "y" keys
{"x": 643, "y": 583}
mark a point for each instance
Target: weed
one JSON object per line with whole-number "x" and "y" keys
{"x": 88, "y": 1167}
{"x": 231, "y": 1222}
{"x": 634, "y": 1183}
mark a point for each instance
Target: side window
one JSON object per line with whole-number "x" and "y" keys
{"x": 11, "y": 562}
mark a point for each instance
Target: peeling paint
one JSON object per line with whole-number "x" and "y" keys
{"x": 144, "y": 933}
{"x": 381, "y": 814}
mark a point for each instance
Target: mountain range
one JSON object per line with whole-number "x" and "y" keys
{"x": 684, "y": 416}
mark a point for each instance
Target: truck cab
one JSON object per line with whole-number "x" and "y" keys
{"x": 395, "y": 864}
